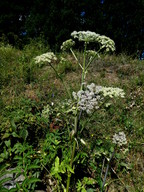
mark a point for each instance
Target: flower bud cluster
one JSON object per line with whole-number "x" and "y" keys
{"x": 92, "y": 53}
{"x": 89, "y": 99}
{"x": 119, "y": 139}
{"x": 46, "y": 57}
{"x": 67, "y": 44}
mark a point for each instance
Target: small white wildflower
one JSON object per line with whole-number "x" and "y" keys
{"x": 119, "y": 139}
{"x": 67, "y": 44}
{"x": 52, "y": 103}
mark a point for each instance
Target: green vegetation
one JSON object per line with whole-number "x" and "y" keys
{"x": 37, "y": 131}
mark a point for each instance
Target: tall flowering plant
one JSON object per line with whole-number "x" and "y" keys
{"x": 91, "y": 97}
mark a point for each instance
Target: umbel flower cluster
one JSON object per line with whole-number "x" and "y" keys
{"x": 67, "y": 44}
{"x": 45, "y": 58}
{"x": 91, "y": 53}
{"x": 88, "y": 36}
{"x": 119, "y": 139}
{"x": 90, "y": 98}
{"x": 106, "y": 42}
{"x": 113, "y": 92}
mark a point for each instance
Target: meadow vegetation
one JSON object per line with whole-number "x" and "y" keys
{"x": 37, "y": 117}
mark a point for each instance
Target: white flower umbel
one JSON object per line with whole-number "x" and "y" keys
{"x": 45, "y": 58}
{"x": 112, "y": 92}
{"x": 90, "y": 98}
{"x": 106, "y": 43}
{"x": 86, "y": 36}
{"x": 119, "y": 139}
{"x": 66, "y": 45}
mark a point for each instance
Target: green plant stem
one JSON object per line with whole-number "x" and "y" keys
{"x": 72, "y": 155}
{"x": 76, "y": 117}
{"x": 92, "y": 59}
{"x": 61, "y": 80}
{"x": 84, "y": 66}
{"x": 76, "y": 58}
{"x": 107, "y": 170}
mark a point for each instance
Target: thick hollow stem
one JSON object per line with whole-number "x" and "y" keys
{"x": 72, "y": 155}
{"x": 76, "y": 117}
{"x": 107, "y": 170}
{"x": 76, "y": 58}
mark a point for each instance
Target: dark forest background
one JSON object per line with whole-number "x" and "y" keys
{"x": 123, "y": 21}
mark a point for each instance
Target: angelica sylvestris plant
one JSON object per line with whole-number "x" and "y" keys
{"x": 89, "y": 98}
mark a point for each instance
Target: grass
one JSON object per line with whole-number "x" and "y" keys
{"x": 40, "y": 86}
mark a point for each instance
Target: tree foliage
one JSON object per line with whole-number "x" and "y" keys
{"x": 122, "y": 20}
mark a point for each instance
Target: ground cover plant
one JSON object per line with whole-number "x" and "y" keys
{"x": 74, "y": 120}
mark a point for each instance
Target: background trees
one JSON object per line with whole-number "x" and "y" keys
{"x": 122, "y": 20}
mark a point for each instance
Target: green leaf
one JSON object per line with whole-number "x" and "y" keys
{"x": 8, "y": 143}
{"x": 13, "y": 190}
{"x": 70, "y": 169}
{"x": 18, "y": 186}
{"x": 57, "y": 163}
{"x": 6, "y": 135}
{"x": 33, "y": 180}
{"x": 24, "y": 184}
{"x": 15, "y": 134}
{"x": 24, "y": 134}
{"x": 83, "y": 189}
{"x": 13, "y": 124}
{"x": 112, "y": 149}
{"x": 18, "y": 158}
{"x": 90, "y": 190}
{"x": 33, "y": 167}
{"x": 5, "y": 180}
{"x": 1, "y": 159}
{"x": 127, "y": 166}
{"x": 4, "y": 190}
